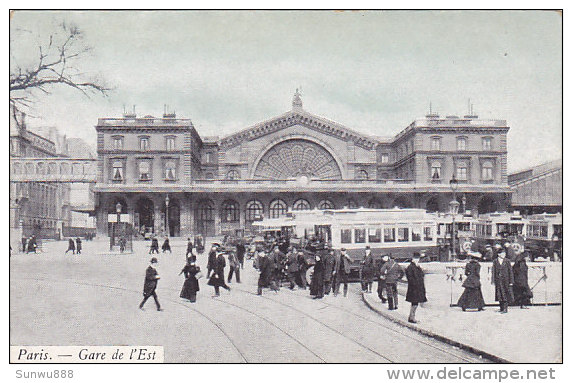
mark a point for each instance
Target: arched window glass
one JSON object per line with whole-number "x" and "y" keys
{"x": 254, "y": 211}
{"x": 326, "y": 205}
{"x": 205, "y": 210}
{"x": 209, "y": 176}
{"x": 233, "y": 175}
{"x": 352, "y": 204}
{"x": 229, "y": 211}
{"x": 301, "y": 204}
{"x": 277, "y": 208}
{"x": 362, "y": 175}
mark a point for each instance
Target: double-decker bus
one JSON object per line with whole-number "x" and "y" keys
{"x": 544, "y": 236}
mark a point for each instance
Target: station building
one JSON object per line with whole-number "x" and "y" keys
{"x": 165, "y": 178}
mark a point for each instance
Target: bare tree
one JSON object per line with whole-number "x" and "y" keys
{"x": 57, "y": 64}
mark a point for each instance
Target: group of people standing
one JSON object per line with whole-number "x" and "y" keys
{"x": 74, "y": 247}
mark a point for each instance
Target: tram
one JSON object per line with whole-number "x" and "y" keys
{"x": 544, "y": 236}
{"x": 499, "y": 228}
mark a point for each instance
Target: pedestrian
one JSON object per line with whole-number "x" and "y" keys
{"x": 217, "y": 277}
{"x": 32, "y": 246}
{"x": 234, "y": 266}
{"x": 240, "y": 251}
{"x": 521, "y": 289}
{"x": 266, "y": 268}
{"x": 122, "y": 243}
{"x": 150, "y": 285}
{"x": 381, "y": 285}
{"x": 302, "y": 269}
{"x": 192, "y": 274}
{"x": 509, "y": 250}
{"x": 367, "y": 271}
{"x": 489, "y": 255}
{"x": 279, "y": 260}
{"x": 189, "y": 248}
{"x": 415, "y": 286}
{"x": 71, "y": 246}
{"x": 166, "y": 245}
{"x": 154, "y": 246}
{"x": 472, "y": 297}
{"x": 78, "y": 245}
{"x": 292, "y": 267}
{"x": 24, "y": 243}
{"x": 341, "y": 271}
{"x": 212, "y": 259}
{"x": 317, "y": 285}
{"x": 503, "y": 279}
{"x": 391, "y": 272}
{"x": 329, "y": 263}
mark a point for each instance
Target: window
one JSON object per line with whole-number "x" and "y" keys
{"x": 487, "y": 143}
{"x": 277, "y": 208}
{"x": 416, "y": 233}
{"x": 170, "y": 171}
{"x": 436, "y": 170}
{"x": 144, "y": 143}
{"x": 118, "y": 142}
{"x": 435, "y": 143}
{"x": 117, "y": 171}
{"x": 352, "y": 204}
{"x": 325, "y": 205}
{"x": 462, "y": 171}
{"x": 209, "y": 157}
{"x": 346, "y": 236}
{"x": 384, "y": 158}
{"x": 402, "y": 234}
{"x": 388, "y": 234}
{"x": 461, "y": 143}
{"x": 301, "y": 204}
{"x": 487, "y": 171}
{"x": 254, "y": 211}
{"x": 359, "y": 235}
{"x": 362, "y": 175}
{"x": 170, "y": 144}
{"x": 374, "y": 235}
{"x": 144, "y": 172}
{"x": 427, "y": 233}
{"x": 233, "y": 175}
{"x": 229, "y": 211}
{"x": 209, "y": 176}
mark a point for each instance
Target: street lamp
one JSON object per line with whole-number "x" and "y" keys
{"x": 454, "y": 209}
{"x": 167, "y": 214}
{"x": 118, "y": 211}
{"x": 464, "y": 200}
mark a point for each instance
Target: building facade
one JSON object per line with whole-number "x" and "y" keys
{"x": 167, "y": 179}
{"x": 37, "y": 208}
{"x": 538, "y": 189}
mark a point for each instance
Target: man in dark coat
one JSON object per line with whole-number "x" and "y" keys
{"x": 234, "y": 266}
{"x": 212, "y": 259}
{"x": 292, "y": 267}
{"x": 367, "y": 271}
{"x": 415, "y": 286}
{"x": 329, "y": 263}
{"x": 78, "y": 245}
{"x": 341, "y": 271}
{"x": 317, "y": 285}
{"x": 302, "y": 269}
{"x": 71, "y": 246}
{"x": 522, "y": 292}
{"x": 166, "y": 245}
{"x": 266, "y": 268}
{"x": 154, "y": 246}
{"x": 217, "y": 278}
{"x": 391, "y": 272}
{"x": 240, "y": 251}
{"x": 189, "y": 252}
{"x": 150, "y": 285}
{"x": 381, "y": 286}
{"x": 503, "y": 279}
{"x": 472, "y": 297}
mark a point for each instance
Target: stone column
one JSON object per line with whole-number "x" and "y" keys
{"x": 157, "y": 217}
{"x": 217, "y": 204}
{"x": 185, "y": 205}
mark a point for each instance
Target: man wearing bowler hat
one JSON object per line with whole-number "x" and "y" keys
{"x": 150, "y": 285}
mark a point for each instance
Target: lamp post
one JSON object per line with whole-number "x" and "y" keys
{"x": 167, "y": 214}
{"x": 464, "y": 200}
{"x": 454, "y": 208}
{"x": 118, "y": 211}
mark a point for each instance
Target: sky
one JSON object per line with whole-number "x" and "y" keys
{"x": 372, "y": 71}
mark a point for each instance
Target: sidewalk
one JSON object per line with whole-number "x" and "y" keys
{"x": 520, "y": 336}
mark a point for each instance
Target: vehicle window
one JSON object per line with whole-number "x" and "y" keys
{"x": 346, "y": 236}
{"x": 388, "y": 234}
{"x": 416, "y": 233}
{"x": 374, "y": 235}
{"x": 402, "y": 234}
{"x": 428, "y": 233}
{"x": 359, "y": 235}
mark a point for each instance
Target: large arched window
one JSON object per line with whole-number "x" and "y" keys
{"x": 301, "y": 204}
{"x": 277, "y": 208}
{"x": 326, "y": 204}
{"x": 254, "y": 211}
{"x": 352, "y": 204}
{"x": 229, "y": 211}
{"x": 205, "y": 211}
{"x": 233, "y": 175}
{"x": 362, "y": 175}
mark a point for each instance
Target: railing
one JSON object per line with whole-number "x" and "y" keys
{"x": 53, "y": 169}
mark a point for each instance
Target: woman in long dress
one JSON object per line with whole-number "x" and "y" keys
{"x": 191, "y": 285}
{"x": 317, "y": 285}
{"x": 521, "y": 290}
{"x": 472, "y": 297}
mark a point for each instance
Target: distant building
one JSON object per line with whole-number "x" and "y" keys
{"x": 537, "y": 189}
{"x": 37, "y": 208}
{"x": 165, "y": 178}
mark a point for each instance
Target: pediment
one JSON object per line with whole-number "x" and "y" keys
{"x": 302, "y": 118}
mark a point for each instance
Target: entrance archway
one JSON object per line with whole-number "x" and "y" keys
{"x": 488, "y": 205}
{"x": 204, "y": 218}
{"x": 174, "y": 217}
{"x": 144, "y": 218}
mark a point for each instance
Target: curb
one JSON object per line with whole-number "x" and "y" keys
{"x": 466, "y": 347}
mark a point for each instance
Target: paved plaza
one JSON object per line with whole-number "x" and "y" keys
{"x": 92, "y": 299}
